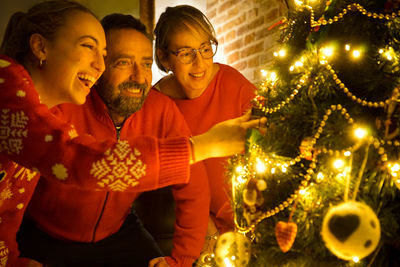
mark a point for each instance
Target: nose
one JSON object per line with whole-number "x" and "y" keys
{"x": 98, "y": 63}
{"x": 137, "y": 74}
{"x": 198, "y": 60}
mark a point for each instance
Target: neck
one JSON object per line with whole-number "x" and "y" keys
{"x": 117, "y": 119}
{"x": 46, "y": 97}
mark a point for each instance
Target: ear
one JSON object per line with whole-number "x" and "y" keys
{"x": 38, "y": 46}
{"x": 163, "y": 59}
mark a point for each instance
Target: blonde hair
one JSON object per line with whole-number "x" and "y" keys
{"x": 180, "y": 18}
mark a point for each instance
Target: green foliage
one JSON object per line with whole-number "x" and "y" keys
{"x": 373, "y": 77}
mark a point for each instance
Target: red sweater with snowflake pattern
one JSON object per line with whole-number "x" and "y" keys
{"x": 158, "y": 117}
{"x": 33, "y": 137}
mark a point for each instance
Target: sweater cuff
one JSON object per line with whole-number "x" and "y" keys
{"x": 179, "y": 261}
{"x": 174, "y": 156}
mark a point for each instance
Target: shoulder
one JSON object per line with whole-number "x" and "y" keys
{"x": 233, "y": 78}
{"x": 158, "y": 101}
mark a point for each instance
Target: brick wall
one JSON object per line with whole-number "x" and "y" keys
{"x": 245, "y": 43}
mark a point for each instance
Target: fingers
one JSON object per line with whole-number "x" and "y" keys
{"x": 257, "y": 123}
{"x": 158, "y": 262}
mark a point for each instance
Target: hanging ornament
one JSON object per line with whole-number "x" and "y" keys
{"x": 351, "y": 230}
{"x": 306, "y": 148}
{"x": 285, "y": 233}
{"x": 232, "y": 249}
{"x": 253, "y": 199}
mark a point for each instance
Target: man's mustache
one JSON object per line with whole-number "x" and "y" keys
{"x": 132, "y": 85}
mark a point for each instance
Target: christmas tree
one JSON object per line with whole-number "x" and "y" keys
{"x": 320, "y": 187}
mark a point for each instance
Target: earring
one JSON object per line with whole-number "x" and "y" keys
{"x": 41, "y": 63}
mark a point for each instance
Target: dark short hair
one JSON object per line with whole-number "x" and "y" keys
{"x": 44, "y": 18}
{"x": 118, "y": 21}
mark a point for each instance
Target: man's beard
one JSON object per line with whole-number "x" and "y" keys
{"x": 121, "y": 104}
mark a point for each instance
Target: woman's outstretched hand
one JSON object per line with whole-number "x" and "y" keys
{"x": 225, "y": 138}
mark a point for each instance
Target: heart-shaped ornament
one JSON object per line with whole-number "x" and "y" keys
{"x": 285, "y": 233}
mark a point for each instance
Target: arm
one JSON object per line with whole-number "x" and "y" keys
{"x": 33, "y": 137}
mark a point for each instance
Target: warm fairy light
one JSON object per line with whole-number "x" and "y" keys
{"x": 347, "y": 154}
{"x": 273, "y": 170}
{"x": 264, "y": 73}
{"x": 283, "y": 168}
{"x": 260, "y": 166}
{"x": 360, "y": 133}
{"x": 273, "y": 76}
{"x": 299, "y": 2}
{"x": 228, "y": 262}
{"x": 239, "y": 169}
{"x": 356, "y": 53}
{"x": 291, "y": 68}
{"x": 320, "y": 177}
{"x": 302, "y": 192}
{"x": 240, "y": 180}
{"x": 282, "y": 52}
{"x": 276, "y": 54}
{"x": 233, "y": 258}
{"x": 381, "y": 51}
{"x": 347, "y": 47}
{"x": 338, "y": 163}
{"x": 298, "y": 64}
{"x": 356, "y": 259}
{"x": 394, "y": 169}
{"x": 327, "y": 51}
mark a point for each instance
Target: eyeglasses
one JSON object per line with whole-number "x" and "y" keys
{"x": 187, "y": 55}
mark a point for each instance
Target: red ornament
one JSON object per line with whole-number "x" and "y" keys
{"x": 285, "y": 233}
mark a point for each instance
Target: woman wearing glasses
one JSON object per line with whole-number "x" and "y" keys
{"x": 206, "y": 93}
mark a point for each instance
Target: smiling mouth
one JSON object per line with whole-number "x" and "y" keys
{"x": 86, "y": 79}
{"x": 197, "y": 75}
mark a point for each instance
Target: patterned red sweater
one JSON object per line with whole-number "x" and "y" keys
{"x": 31, "y": 136}
{"x": 98, "y": 214}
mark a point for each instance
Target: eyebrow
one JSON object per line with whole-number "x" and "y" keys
{"x": 89, "y": 36}
{"x": 189, "y": 47}
{"x": 129, "y": 56}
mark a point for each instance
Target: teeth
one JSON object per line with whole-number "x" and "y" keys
{"x": 87, "y": 77}
{"x": 134, "y": 91}
{"x": 197, "y": 75}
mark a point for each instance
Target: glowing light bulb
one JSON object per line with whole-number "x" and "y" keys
{"x": 347, "y": 154}
{"x": 356, "y": 259}
{"x": 381, "y": 51}
{"x": 347, "y": 47}
{"x": 276, "y": 54}
{"x": 298, "y": 64}
{"x": 228, "y": 262}
{"x": 264, "y": 73}
{"x": 284, "y": 169}
{"x": 360, "y": 133}
{"x": 273, "y": 76}
{"x": 338, "y": 164}
{"x": 356, "y": 53}
{"x": 291, "y": 68}
{"x": 327, "y": 51}
{"x": 282, "y": 53}
{"x": 298, "y": 2}
{"x": 239, "y": 168}
{"x": 320, "y": 177}
{"x": 302, "y": 192}
{"x": 260, "y": 166}
{"x": 233, "y": 258}
{"x": 273, "y": 170}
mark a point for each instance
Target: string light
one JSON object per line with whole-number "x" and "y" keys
{"x": 360, "y": 133}
{"x": 356, "y": 259}
{"x": 347, "y": 47}
{"x": 282, "y": 53}
{"x": 260, "y": 166}
{"x": 338, "y": 164}
{"x": 356, "y": 53}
